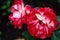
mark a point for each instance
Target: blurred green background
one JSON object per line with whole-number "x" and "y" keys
{"x": 7, "y": 31}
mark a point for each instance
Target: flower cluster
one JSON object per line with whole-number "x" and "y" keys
{"x": 41, "y": 21}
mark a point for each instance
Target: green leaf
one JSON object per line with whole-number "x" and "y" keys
{"x": 8, "y": 3}
{"x": 59, "y": 1}
{"x": 56, "y": 34}
{"x": 27, "y": 36}
{"x": 58, "y": 18}
{"x": 8, "y": 9}
{"x": 3, "y": 7}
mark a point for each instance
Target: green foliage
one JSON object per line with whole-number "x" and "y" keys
{"x": 58, "y": 18}
{"x": 3, "y": 7}
{"x": 27, "y": 36}
{"x": 6, "y": 7}
{"x": 56, "y": 34}
{"x": 8, "y": 3}
{"x": 59, "y": 1}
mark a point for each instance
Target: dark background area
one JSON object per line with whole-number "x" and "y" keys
{"x": 7, "y": 30}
